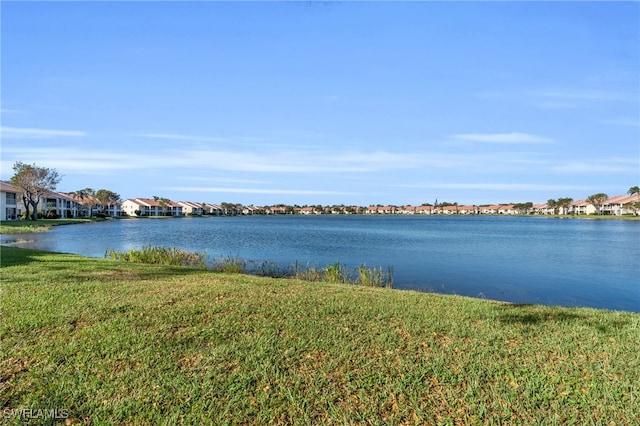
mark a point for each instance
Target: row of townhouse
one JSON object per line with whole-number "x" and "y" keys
{"x": 163, "y": 207}
{"x": 52, "y": 204}
{"x": 615, "y": 206}
{"x": 443, "y": 210}
{"x": 69, "y": 205}
{"x": 150, "y": 207}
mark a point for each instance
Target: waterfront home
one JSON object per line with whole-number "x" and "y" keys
{"x": 616, "y": 205}
{"x": 252, "y": 210}
{"x": 149, "y": 207}
{"x": 212, "y": 209}
{"x": 191, "y": 208}
{"x": 425, "y": 210}
{"x": 581, "y": 207}
{"x": 542, "y": 208}
{"x": 467, "y": 210}
{"x": 382, "y": 210}
{"x": 56, "y": 204}
{"x": 9, "y": 202}
{"x": 408, "y": 209}
{"x": 89, "y": 206}
{"x": 308, "y": 210}
{"x": 507, "y": 209}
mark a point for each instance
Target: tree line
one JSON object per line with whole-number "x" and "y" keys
{"x": 35, "y": 182}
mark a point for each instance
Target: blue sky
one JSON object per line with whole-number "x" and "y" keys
{"x": 324, "y": 102}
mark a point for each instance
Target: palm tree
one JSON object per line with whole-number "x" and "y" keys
{"x": 634, "y": 190}
{"x": 597, "y": 200}
{"x": 84, "y": 195}
{"x": 552, "y": 204}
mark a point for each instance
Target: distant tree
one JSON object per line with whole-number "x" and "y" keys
{"x": 86, "y": 197}
{"x": 33, "y": 183}
{"x": 564, "y": 204}
{"x": 105, "y": 198}
{"x": 634, "y": 206}
{"x": 552, "y": 204}
{"x": 230, "y": 208}
{"x": 597, "y": 200}
{"x": 634, "y": 190}
{"x": 523, "y": 207}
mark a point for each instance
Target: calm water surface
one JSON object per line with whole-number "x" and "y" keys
{"x": 517, "y": 259}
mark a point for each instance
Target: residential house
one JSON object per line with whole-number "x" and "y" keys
{"x": 467, "y": 210}
{"x": 149, "y": 207}
{"x": 191, "y": 208}
{"x": 212, "y": 209}
{"x": 276, "y": 210}
{"x": 59, "y": 205}
{"x": 9, "y": 202}
{"x": 542, "y": 208}
{"x": 252, "y": 210}
{"x": 492, "y": 209}
{"x": 424, "y": 210}
{"x": 616, "y": 205}
{"x": 382, "y": 210}
{"x": 408, "y": 209}
{"x": 89, "y": 206}
{"x": 308, "y": 210}
{"x": 581, "y": 207}
{"x": 507, "y": 209}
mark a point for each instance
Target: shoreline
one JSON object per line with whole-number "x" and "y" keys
{"x": 304, "y": 276}
{"x": 226, "y": 348}
{"x": 23, "y": 226}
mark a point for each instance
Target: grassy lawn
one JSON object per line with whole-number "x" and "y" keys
{"x": 109, "y": 342}
{"x": 40, "y": 225}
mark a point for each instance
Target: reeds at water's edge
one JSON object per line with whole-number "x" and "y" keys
{"x": 334, "y": 273}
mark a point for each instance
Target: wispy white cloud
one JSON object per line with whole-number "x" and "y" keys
{"x": 253, "y": 190}
{"x": 34, "y": 133}
{"x": 502, "y": 138}
{"x": 497, "y": 186}
{"x": 74, "y": 159}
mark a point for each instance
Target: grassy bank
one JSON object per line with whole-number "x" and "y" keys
{"x": 108, "y": 342}
{"x": 40, "y": 225}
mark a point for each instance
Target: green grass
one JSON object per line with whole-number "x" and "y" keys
{"x": 40, "y": 225}
{"x": 160, "y": 256}
{"x": 126, "y": 343}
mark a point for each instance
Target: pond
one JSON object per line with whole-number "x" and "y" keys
{"x": 569, "y": 262}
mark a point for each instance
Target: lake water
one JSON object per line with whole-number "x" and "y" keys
{"x": 548, "y": 261}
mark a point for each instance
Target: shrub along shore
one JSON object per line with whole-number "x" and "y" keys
{"x": 113, "y": 342}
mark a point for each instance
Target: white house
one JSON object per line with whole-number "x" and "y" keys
{"x": 189, "y": 207}
{"x": 8, "y": 202}
{"x": 616, "y": 205}
{"x": 213, "y": 209}
{"x": 149, "y": 207}
{"x": 88, "y": 207}
{"x": 60, "y": 205}
{"x": 581, "y": 207}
